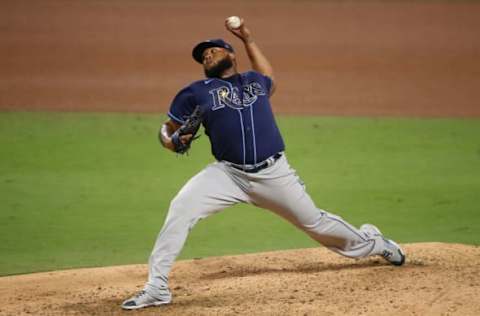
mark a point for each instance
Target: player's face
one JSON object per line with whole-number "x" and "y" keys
{"x": 213, "y": 55}
{"x": 215, "y": 61}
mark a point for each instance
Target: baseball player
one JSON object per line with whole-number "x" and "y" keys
{"x": 251, "y": 165}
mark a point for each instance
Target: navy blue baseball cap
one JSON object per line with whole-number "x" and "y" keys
{"x": 198, "y": 50}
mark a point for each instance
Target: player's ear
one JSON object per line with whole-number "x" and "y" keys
{"x": 233, "y": 58}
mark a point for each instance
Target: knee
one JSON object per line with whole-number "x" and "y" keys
{"x": 313, "y": 219}
{"x": 321, "y": 222}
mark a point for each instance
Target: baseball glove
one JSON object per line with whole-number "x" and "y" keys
{"x": 190, "y": 127}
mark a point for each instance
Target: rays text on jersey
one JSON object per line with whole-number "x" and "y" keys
{"x": 227, "y": 96}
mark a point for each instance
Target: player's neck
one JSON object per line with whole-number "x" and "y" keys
{"x": 229, "y": 72}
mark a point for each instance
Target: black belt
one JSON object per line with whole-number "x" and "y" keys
{"x": 259, "y": 166}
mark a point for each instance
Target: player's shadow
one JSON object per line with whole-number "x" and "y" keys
{"x": 248, "y": 270}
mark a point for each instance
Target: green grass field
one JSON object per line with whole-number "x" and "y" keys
{"x": 82, "y": 190}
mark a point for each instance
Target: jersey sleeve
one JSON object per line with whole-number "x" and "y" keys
{"x": 182, "y": 105}
{"x": 266, "y": 81}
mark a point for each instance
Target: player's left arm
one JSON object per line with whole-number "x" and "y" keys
{"x": 166, "y": 132}
{"x": 258, "y": 60}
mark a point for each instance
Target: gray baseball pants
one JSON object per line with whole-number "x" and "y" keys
{"x": 276, "y": 188}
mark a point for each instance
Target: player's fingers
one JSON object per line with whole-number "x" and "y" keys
{"x": 185, "y": 138}
{"x": 237, "y": 32}
{"x": 234, "y": 31}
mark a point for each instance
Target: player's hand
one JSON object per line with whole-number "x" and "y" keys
{"x": 167, "y": 142}
{"x": 242, "y": 32}
{"x": 185, "y": 138}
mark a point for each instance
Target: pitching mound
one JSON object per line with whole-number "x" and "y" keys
{"x": 438, "y": 279}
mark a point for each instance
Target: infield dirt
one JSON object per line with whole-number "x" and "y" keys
{"x": 437, "y": 279}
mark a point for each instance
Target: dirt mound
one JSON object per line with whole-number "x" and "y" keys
{"x": 438, "y": 279}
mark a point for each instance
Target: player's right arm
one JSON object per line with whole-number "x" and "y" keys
{"x": 166, "y": 132}
{"x": 258, "y": 60}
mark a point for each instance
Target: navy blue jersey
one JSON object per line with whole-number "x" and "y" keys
{"x": 241, "y": 127}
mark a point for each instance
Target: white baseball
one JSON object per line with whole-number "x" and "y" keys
{"x": 234, "y": 22}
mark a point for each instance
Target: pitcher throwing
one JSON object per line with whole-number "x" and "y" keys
{"x": 251, "y": 165}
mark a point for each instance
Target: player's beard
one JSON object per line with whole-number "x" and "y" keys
{"x": 217, "y": 70}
